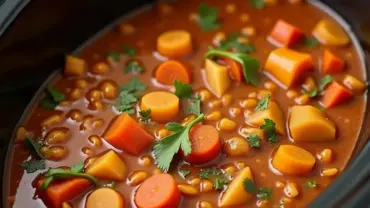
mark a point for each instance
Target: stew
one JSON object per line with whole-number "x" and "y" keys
{"x": 190, "y": 104}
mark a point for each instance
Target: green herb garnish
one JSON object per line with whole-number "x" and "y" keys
{"x": 194, "y": 106}
{"x": 311, "y": 184}
{"x": 253, "y": 140}
{"x": 129, "y": 95}
{"x": 182, "y": 90}
{"x": 311, "y": 42}
{"x": 220, "y": 183}
{"x": 34, "y": 146}
{"x": 209, "y": 172}
{"x": 249, "y": 65}
{"x": 259, "y": 4}
{"x": 32, "y": 166}
{"x": 129, "y": 50}
{"x": 208, "y": 17}
{"x": 327, "y": 79}
{"x": 133, "y": 67}
{"x": 250, "y": 186}
{"x": 269, "y": 127}
{"x": 232, "y": 43}
{"x": 264, "y": 193}
{"x": 184, "y": 172}
{"x": 114, "y": 55}
{"x": 264, "y": 103}
{"x": 145, "y": 115}
{"x": 166, "y": 148}
{"x": 52, "y": 99}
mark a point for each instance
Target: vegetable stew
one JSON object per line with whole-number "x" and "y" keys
{"x": 196, "y": 104}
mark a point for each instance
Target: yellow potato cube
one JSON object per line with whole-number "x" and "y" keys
{"x": 217, "y": 77}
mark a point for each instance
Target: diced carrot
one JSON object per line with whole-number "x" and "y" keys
{"x": 126, "y": 134}
{"x": 172, "y": 70}
{"x": 332, "y": 63}
{"x": 60, "y": 191}
{"x": 74, "y": 66}
{"x": 335, "y": 94}
{"x": 284, "y": 34}
{"x": 293, "y": 160}
{"x": 160, "y": 190}
{"x": 235, "y": 70}
{"x": 288, "y": 66}
{"x": 105, "y": 197}
{"x": 205, "y": 144}
{"x": 174, "y": 43}
{"x": 164, "y": 106}
{"x": 328, "y": 32}
{"x": 108, "y": 166}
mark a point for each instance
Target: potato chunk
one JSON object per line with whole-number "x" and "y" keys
{"x": 217, "y": 77}
{"x": 308, "y": 123}
{"x": 273, "y": 112}
{"x": 235, "y": 193}
{"x": 74, "y": 66}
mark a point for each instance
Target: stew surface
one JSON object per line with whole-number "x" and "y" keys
{"x": 193, "y": 104}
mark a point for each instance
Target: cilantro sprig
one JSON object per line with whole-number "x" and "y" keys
{"x": 165, "y": 149}
{"x": 214, "y": 173}
{"x": 249, "y": 65}
{"x": 232, "y": 42}
{"x": 184, "y": 172}
{"x": 208, "y": 17}
{"x": 185, "y": 91}
{"x": 125, "y": 49}
{"x": 129, "y": 95}
{"x": 327, "y": 79}
{"x": 311, "y": 184}
{"x": 194, "y": 106}
{"x": 34, "y": 165}
{"x": 133, "y": 66}
{"x": 262, "y": 193}
{"x": 253, "y": 140}
{"x": 145, "y": 115}
{"x": 264, "y": 103}
{"x": 269, "y": 127}
{"x": 52, "y": 99}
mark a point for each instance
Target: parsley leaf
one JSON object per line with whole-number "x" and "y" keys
{"x": 34, "y": 146}
{"x": 111, "y": 185}
{"x": 166, "y": 148}
{"x": 232, "y": 43}
{"x": 311, "y": 184}
{"x": 129, "y": 50}
{"x": 56, "y": 94}
{"x": 184, "y": 172}
{"x": 264, "y": 193}
{"x": 208, "y": 17}
{"x": 129, "y": 95}
{"x": 52, "y": 99}
{"x": 194, "y": 106}
{"x": 134, "y": 67}
{"x": 220, "y": 183}
{"x": 253, "y": 140}
{"x": 327, "y": 79}
{"x": 311, "y": 42}
{"x": 182, "y": 90}
{"x": 250, "y": 186}
{"x": 114, "y": 55}
{"x": 145, "y": 115}
{"x": 249, "y": 65}
{"x": 135, "y": 85}
{"x": 208, "y": 172}
{"x": 264, "y": 103}
{"x": 32, "y": 166}
{"x": 313, "y": 93}
{"x": 259, "y": 4}
{"x": 269, "y": 126}
{"x": 78, "y": 167}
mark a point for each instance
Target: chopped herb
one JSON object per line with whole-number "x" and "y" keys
{"x": 194, "y": 106}
{"x": 249, "y": 65}
{"x": 129, "y": 50}
{"x": 220, "y": 183}
{"x": 75, "y": 171}
{"x": 209, "y": 172}
{"x": 264, "y": 193}
{"x": 324, "y": 82}
{"x": 134, "y": 67}
{"x": 182, "y": 90}
{"x": 184, "y": 172}
{"x": 129, "y": 95}
{"x": 145, "y": 115}
{"x": 114, "y": 55}
{"x": 111, "y": 185}
{"x": 78, "y": 167}
{"x": 259, "y": 4}
{"x": 253, "y": 140}
{"x": 232, "y": 42}
{"x": 264, "y": 103}
{"x": 311, "y": 184}
{"x": 311, "y": 42}
{"x": 56, "y": 94}
{"x": 313, "y": 93}
{"x": 269, "y": 126}
{"x": 32, "y": 166}
{"x": 52, "y": 99}
{"x": 34, "y": 146}
{"x": 166, "y": 148}
{"x": 208, "y": 17}
{"x": 250, "y": 186}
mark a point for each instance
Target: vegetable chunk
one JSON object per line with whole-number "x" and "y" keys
{"x": 164, "y": 106}
{"x": 335, "y": 94}
{"x": 235, "y": 193}
{"x": 174, "y": 43}
{"x": 74, "y": 66}
{"x": 172, "y": 70}
{"x": 330, "y": 33}
{"x": 126, "y": 134}
{"x": 105, "y": 197}
{"x": 108, "y": 167}
{"x": 309, "y": 124}
{"x": 274, "y": 113}
{"x": 284, "y": 34}
{"x": 293, "y": 160}
{"x": 217, "y": 77}
{"x": 288, "y": 66}
{"x": 332, "y": 63}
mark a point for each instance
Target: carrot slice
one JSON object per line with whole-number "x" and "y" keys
{"x": 60, "y": 191}
{"x": 288, "y": 66}
{"x": 172, "y": 70}
{"x": 174, "y": 43}
{"x": 126, "y": 134}
{"x": 293, "y": 160}
{"x": 105, "y": 197}
{"x": 284, "y": 34}
{"x": 158, "y": 191}
{"x": 235, "y": 70}
{"x": 335, "y": 94}
{"x": 205, "y": 144}
{"x": 329, "y": 33}
{"x": 332, "y": 63}
{"x": 164, "y": 106}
